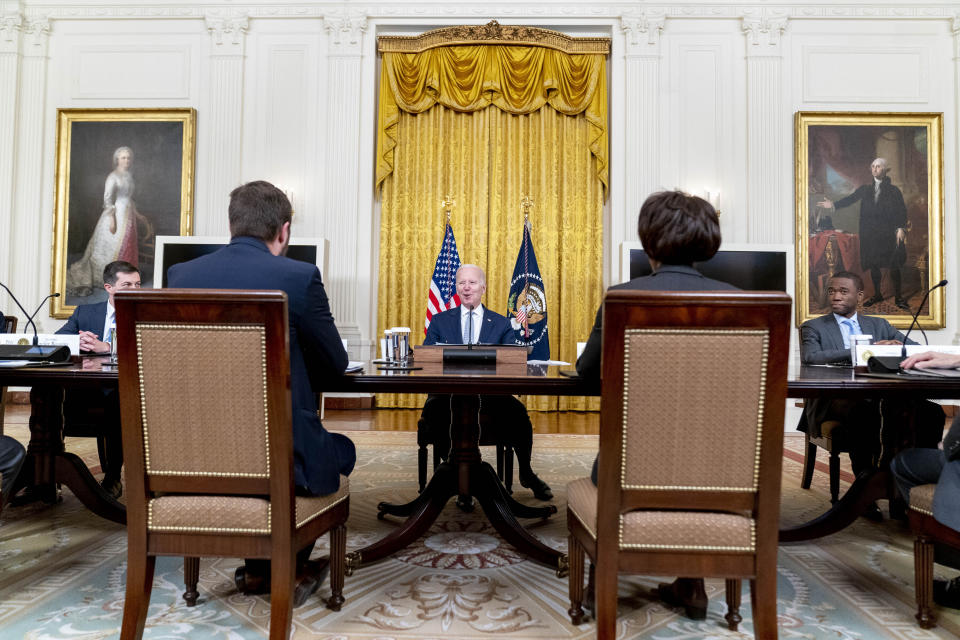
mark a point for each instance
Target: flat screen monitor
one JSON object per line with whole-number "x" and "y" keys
{"x": 751, "y": 267}
{"x": 174, "y": 249}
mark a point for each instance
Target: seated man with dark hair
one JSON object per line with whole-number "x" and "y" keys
{"x": 95, "y": 323}
{"x": 471, "y": 323}
{"x": 12, "y": 455}
{"x": 826, "y": 340}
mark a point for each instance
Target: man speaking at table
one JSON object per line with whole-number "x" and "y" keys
{"x": 259, "y": 216}
{"x": 471, "y": 323}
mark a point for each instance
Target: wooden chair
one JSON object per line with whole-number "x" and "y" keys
{"x": 927, "y": 531}
{"x": 833, "y": 439}
{"x": 425, "y": 439}
{"x": 691, "y": 445}
{"x": 205, "y": 402}
{"x": 9, "y": 326}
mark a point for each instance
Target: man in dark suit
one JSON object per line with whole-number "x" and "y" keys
{"x": 471, "y": 323}
{"x": 676, "y": 230}
{"x": 826, "y": 340}
{"x": 883, "y": 222}
{"x": 259, "y": 215}
{"x": 94, "y": 322}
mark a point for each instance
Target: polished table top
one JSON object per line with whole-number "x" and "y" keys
{"x": 803, "y": 381}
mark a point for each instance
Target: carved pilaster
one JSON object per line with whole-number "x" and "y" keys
{"x": 345, "y": 33}
{"x": 227, "y": 35}
{"x": 765, "y": 132}
{"x": 31, "y": 224}
{"x": 764, "y": 34}
{"x": 10, "y": 31}
{"x": 342, "y": 167}
{"x": 220, "y": 138}
{"x": 642, "y": 107}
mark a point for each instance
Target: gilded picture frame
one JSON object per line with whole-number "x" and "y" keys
{"x": 860, "y": 179}
{"x": 123, "y": 177}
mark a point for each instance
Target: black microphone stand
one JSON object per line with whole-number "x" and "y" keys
{"x": 34, "y": 352}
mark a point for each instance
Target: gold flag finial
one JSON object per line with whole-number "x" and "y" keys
{"x": 525, "y": 203}
{"x": 447, "y": 205}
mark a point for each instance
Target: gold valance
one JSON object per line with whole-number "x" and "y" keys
{"x": 516, "y": 78}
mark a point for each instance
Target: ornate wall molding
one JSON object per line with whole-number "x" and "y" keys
{"x": 10, "y": 28}
{"x": 815, "y": 9}
{"x": 228, "y": 34}
{"x": 36, "y": 36}
{"x": 642, "y": 33}
{"x": 345, "y": 33}
{"x": 764, "y": 34}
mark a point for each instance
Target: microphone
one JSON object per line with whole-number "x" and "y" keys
{"x": 903, "y": 350}
{"x": 55, "y": 353}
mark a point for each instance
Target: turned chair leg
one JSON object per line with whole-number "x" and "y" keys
{"x": 338, "y": 565}
{"x": 575, "y": 555}
{"x": 191, "y": 576}
{"x": 733, "y": 604}
{"x": 923, "y": 578}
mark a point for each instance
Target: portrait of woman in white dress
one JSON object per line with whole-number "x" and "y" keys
{"x": 115, "y": 235}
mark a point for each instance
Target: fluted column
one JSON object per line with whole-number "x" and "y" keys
{"x": 643, "y": 155}
{"x": 765, "y": 131}
{"x": 30, "y": 273}
{"x": 10, "y": 27}
{"x": 342, "y": 219}
{"x": 220, "y": 132}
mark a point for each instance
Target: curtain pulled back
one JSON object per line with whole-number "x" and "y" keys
{"x": 488, "y": 159}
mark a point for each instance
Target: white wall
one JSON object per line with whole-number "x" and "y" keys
{"x": 702, "y": 96}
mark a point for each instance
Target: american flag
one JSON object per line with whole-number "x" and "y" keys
{"x": 443, "y": 286}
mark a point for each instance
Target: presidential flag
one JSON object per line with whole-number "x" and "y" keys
{"x": 443, "y": 285}
{"x": 527, "y": 304}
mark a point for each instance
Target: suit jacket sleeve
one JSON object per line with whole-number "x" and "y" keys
{"x": 433, "y": 331}
{"x": 859, "y": 194}
{"x": 72, "y": 326}
{"x": 885, "y": 331}
{"x": 317, "y": 334}
{"x": 505, "y": 333}
{"x": 588, "y": 364}
{"x": 812, "y": 350}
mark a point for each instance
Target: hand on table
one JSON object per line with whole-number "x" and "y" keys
{"x": 887, "y": 342}
{"x": 90, "y": 342}
{"x": 932, "y": 360}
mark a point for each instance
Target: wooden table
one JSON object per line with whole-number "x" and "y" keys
{"x": 48, "y": 463}
{"x": 872, "y": 484}
{"x": 464, "y": 473}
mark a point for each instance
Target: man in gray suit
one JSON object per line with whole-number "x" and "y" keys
{"x": 826, "y": 340}
{"x": 915, "y": 467}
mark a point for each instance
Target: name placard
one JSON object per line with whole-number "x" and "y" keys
{"x": 867, "y": 351}
{"x": 44, "y": 339}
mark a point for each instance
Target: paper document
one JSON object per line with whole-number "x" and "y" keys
{"x": 354, "y": 366}
{"x": 939, "y": 373}
{"x": 560, "y": 363}
{"x": 10, "y": 364}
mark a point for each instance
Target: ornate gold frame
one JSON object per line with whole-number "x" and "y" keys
{"x": 66, "y": 118}
{"x": 492, "y": 33}
{"x": 932, "y": 123}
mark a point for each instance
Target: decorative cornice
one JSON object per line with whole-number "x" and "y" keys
{"x": 492, "y": 33}
{"x": 764, "y": 34}
{"x": 643, "y": 33}
{"x": 566, "y": 10}
{"x": 346, "y": 33}
{"x": 228, "y": 34}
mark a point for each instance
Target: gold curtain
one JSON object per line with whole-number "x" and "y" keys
{"x": 487, "y": 159}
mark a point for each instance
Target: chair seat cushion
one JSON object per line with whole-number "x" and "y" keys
{"x": 667, "y": 530}
{"x": 921, "y": 498}
{"x": 233, "y": 515}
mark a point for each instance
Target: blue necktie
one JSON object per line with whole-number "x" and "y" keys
{"x": 851, "y": 331}
{"x": 468, "y": 328}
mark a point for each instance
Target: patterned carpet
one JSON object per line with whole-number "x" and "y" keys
{"x": 62, "y": 573}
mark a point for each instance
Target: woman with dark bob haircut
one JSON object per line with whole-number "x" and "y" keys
{"x": 676, "y": 230}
